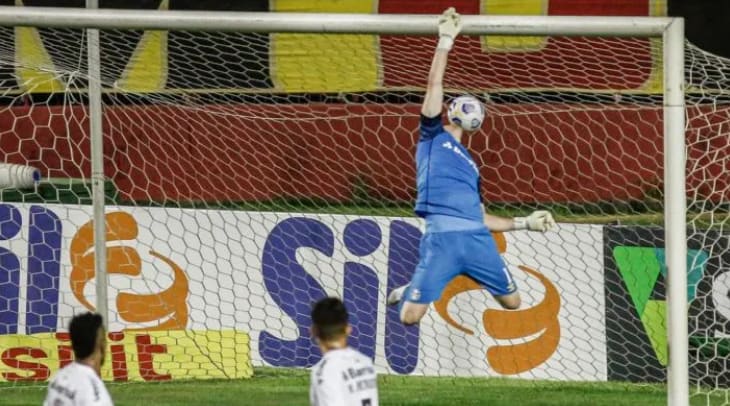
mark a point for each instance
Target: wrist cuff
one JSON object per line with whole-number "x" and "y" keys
{"x": 520, "y": 223}
{"x": 445, "y": 42}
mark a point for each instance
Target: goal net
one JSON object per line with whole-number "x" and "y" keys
{"x": 248, "y": 175}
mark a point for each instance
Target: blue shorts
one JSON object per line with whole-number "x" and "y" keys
{"x": 445, "y": 255}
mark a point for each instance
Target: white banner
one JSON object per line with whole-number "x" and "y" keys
{"x": 259, "y": 273}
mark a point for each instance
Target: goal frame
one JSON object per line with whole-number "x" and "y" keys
{"x": 670, "y": 30}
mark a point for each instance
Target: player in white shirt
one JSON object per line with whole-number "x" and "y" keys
{"x": 79, "y": 383}
{"x": 343, "y": 377}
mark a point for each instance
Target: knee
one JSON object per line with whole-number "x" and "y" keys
{"x": 512, "y": 305}
{"x": 410, "y": 318}
{"x": 512, "y": 302}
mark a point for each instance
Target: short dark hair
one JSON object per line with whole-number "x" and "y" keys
{"x": 329, "y": 317}
{"x": 84, "y": 330}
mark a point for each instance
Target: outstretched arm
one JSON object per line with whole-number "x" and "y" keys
{"x": 449, "y": 27}
{"x": 498, "y": 224}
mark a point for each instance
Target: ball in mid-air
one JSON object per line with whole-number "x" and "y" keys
{"x": 467, "y": 112}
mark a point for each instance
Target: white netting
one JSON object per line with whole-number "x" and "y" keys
{"x": 249, "y": 175}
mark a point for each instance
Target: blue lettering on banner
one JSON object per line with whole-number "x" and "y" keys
{"x": 362, "y": 237}
{"x": 43, "y": 270}
{"x": 401, "y": 351}
{"x": 9, "y": 271}
{"x": 294, "y": 290}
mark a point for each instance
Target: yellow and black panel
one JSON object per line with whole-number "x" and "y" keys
{"x": 218, "y": 60}
{"x": 54, "y": 59}
{"x": 325, "y": 63}
{"x": 147, "y": 68}
{"x": 34, "y": 69}
{"x": 499, "y": 43}
{"x": 64, "y": 49}
{"x": 48, "y": 60}
{"x": 7, "y": 72}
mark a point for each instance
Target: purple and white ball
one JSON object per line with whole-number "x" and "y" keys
{"x": 466, "y": 112}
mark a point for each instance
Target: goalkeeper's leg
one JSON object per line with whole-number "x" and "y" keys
{"x": 439, "y": 263}
{"x": 486, "y": 267}
{"x": 481, "y": 263}
{"x": 510, "y": 301}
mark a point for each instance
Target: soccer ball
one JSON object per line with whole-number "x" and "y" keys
{"x": 466, "y": 112}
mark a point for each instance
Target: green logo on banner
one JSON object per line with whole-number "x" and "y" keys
{"x": 641, "y": 269}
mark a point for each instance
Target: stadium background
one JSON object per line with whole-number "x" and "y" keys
{"x": 266, "y": 77}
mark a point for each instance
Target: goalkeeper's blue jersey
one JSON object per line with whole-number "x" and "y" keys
{"x": 447, "y": 177}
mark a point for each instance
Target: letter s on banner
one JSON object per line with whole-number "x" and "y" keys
{"x": 43, "y": 268}
{"x": 294, "y": 290}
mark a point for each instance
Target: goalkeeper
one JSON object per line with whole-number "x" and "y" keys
{"x": 457, "y": 238}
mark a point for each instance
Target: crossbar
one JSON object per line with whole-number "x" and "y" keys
{"x": 264, "y": 22}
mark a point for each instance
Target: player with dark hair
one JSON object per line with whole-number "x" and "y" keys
{"x": 343, "y": 377}
{"x": 79, "y": 383}
{"x": 458, "y": 239}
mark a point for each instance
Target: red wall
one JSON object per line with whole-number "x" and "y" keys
{"x": 527, "y": 152}
{"x": 574, "y": 63}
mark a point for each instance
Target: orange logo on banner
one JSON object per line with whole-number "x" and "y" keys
{"x": 169, "y": 307}
{"x": 512, "y": 324}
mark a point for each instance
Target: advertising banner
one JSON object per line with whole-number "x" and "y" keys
{"x": 158, "y": 355}
{"x": 636, "y": 305}
{"x": 223, "y": 280}
{"x": 47, "y": 276}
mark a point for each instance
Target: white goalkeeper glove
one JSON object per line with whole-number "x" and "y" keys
{"x": 540, "y": 220}
{"x": 449, "y": 27}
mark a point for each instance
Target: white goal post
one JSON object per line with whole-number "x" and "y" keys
{"x": 671, "y": 30}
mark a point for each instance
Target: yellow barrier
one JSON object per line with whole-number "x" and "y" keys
{"x": 133, "y": 355}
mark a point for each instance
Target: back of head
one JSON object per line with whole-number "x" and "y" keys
{"x": 329, "y": 319}
{"x": 84, "y": 332}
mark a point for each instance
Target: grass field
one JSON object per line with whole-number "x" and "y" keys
{"x": 290, "y": 387}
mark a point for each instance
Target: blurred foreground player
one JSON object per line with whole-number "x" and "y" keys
{"x": 79, "y": 383}
{"x": 343, "y": 377}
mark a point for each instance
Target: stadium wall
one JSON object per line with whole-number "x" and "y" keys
{"x": 531, "y": 153}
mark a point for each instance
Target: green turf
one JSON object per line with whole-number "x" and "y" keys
{"x": 290, "y": 387}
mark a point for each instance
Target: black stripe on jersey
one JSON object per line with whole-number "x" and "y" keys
{"x": 428, "y": 122}
{"x": 319, "y": 372}
{"x": 95, "y": 388}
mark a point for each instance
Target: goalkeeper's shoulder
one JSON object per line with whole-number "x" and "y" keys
{"x": 430, "y": 127}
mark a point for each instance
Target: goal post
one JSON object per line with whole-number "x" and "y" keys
{"x": 675, "y": 220}
{"x": 670, "y": 30}
{"x": 97, "y": 165}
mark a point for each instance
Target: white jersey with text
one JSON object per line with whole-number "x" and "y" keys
{"x": 344, "y": 377}
{"x": 77, "y": 385}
